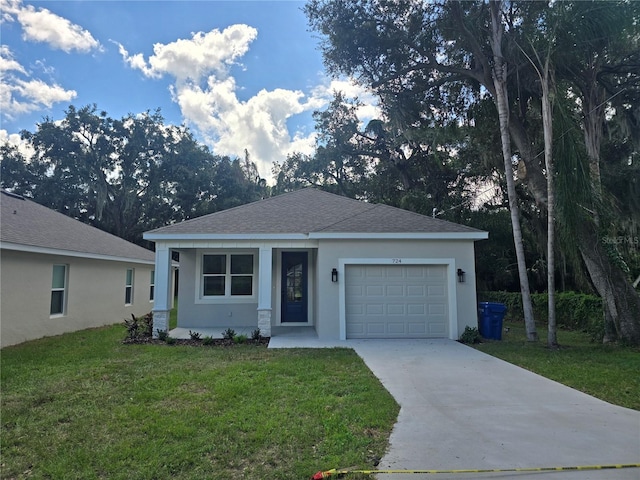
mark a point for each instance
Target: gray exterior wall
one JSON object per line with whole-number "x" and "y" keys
{"x": 95, "y": 295}
{"x": 324, "y": 295}
{"x": 331, "y": 252}
{"x": 209, "y": 315}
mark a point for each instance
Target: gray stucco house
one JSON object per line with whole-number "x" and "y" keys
{"x": 347, "y": 268}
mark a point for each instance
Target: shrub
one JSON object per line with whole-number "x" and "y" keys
{"x": 255, "y": 335}
{"x": 146, "y": 325}
{"x": 194, "y": 335}
{"x": 208, "y": 340}
{"x": 131, "y": 326}
{"x": 163, "y": 335}
{"x": 139, "y": 327}
{"x": 470, "y": 335}
{"x": 575, "y": 311}
{"x": 229, "y": 334}
{"x": 171, "y": 340}
{"x": 240, "y": 339}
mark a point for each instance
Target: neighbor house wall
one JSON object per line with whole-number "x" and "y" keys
{"x": 330, "y": 253}
{"x": 95, "y": 295}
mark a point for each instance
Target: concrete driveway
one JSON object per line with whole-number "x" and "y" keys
{"x": 463, "y": 409}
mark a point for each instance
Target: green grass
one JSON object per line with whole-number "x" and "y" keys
{"x": 608, "y": 372}
{"x": 85, "y": 406}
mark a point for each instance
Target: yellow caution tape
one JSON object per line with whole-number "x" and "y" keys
{"x": 344, "y": 471}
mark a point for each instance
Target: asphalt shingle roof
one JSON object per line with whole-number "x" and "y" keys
{"x": 312, "y": 211}
{"x": 25, "y": 222}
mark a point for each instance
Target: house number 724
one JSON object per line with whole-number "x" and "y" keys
{"x": 396, "y": 260}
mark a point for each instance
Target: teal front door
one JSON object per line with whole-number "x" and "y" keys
{"x": 294, "y": 287}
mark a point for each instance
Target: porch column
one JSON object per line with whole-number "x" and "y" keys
{"x": 265, "y": 273}
{"x": 162, "y": 291}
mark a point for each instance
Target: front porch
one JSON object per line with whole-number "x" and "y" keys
{"x": 281, "y": 337}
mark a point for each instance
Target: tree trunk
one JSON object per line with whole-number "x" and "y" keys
{"x": 552, "y": 337}
{"x": 500, "y": 84}
{"x": 621, "y": 301}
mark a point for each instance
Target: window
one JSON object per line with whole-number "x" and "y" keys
{"x": 58, "y": 290}
{"x": 128, "y": 289}
{"x": 225, "y": 275}
{"x": 152, "y": 285}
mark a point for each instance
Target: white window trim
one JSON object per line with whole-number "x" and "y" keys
{"x": 65, "y": 291}
{"x": 126, "y": 286}
{"x": 152, "y": 285}
{"x": 228, "y": 298}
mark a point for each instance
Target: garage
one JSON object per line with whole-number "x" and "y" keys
{"x": 396, "y": 301}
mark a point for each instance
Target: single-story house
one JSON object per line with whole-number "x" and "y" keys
{"x": 60, "y": 275}
{"x": 347, "y": 268}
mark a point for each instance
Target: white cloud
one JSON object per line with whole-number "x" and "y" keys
{"x": 201, "y": 55}
{"x": 206, "y": 92}
{"x": 369, "y": 108}
{"x": 20, "y": 96}
{"x": 14, "y": 139}
{"x": 41, "y": 25}
{"x": 8, "y": 63}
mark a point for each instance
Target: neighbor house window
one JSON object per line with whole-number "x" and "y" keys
{"x": 152, "y": 285}
{"x": 58, "y": 290}
{"x": 227, "y": 275}
{"x": 128, "y": 289}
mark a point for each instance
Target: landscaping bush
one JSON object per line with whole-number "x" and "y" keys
{"x": 574, "y": 311}
{"x": 470, "y": 336}
{"x": 229, "y": 334}
{"x": 139, "y": 327}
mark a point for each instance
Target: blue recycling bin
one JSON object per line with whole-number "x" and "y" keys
{"x": 490, "y": 318}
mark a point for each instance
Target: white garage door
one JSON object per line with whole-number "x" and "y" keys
{"x": 396, "y": 301}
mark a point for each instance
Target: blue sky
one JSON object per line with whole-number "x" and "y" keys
{"x": 241, "y": 74}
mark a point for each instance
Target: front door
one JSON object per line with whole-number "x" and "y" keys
{"x": 294, "y": 287}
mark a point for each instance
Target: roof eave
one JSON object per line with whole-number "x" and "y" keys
{"x": 71, "y": 253}
{"x": 479, "y": 235}
{"x": 154, "y": 237}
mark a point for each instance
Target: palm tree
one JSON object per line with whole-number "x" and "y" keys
{"x": 499, "y": 74}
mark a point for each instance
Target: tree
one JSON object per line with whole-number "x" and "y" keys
{"x": 441, "y": 53}
{"x": 389, "y": 47}
{"x": 125, "y": 176}
{"x": 499, "y": 74}
{"x": 543, "y": 71}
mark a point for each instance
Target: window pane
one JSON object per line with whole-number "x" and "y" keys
{"x": 241, "y": 285}
{"x": 153, "y": 277}
{"x": 214, "y": 264}
{"x": 129, "y": 276}
{"x": 128, "y": 291}
{"x": 242, "y": 264}
{"x": 213, "y": 286}
{"x": 57, "y": 302}
{"x": 58, "y": 276}
{"x": 151, "y": 292}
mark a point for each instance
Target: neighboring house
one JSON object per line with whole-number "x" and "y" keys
{"x": 58, "y": 275}
{"x": 347, "y": 268}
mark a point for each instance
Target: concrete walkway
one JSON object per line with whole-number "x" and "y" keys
{"x": 463, "y": 409}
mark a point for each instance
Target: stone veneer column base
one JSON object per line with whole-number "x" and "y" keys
{"x": 264, "y": 322}
{"x": 160, "y": 321}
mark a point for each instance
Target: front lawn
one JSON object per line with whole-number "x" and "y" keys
{"x": 608, "y": 372}
{"x": 85, "y": 406}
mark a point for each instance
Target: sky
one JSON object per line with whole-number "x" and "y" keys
{"x": 242, "y": 75}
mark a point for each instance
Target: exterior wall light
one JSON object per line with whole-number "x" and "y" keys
{"x": 334, "y": 275}
{"x": 461, "y": 274}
